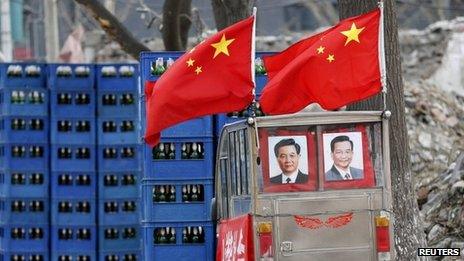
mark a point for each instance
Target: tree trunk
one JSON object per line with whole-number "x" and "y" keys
{"x": 176, "y": 24}
{"x": 111, "y": 25}
{"x": 409, "y": 234}
{"x": 227, "y": 12}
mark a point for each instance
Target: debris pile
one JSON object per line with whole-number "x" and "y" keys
{"x": 441, "y": 204}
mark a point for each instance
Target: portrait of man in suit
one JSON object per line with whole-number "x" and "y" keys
{"x": 341, "y": 152}
{"x": 288, "y": 154}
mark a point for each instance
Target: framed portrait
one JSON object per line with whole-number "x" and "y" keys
{"x": 288, "y": 160}
{"x": 346, "y": 159}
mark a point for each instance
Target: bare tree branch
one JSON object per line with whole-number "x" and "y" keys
{"x": 227, "y": 12}
{"x": 175, "y": 26}
{"x": 111, "y": 25}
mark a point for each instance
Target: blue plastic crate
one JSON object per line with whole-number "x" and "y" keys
{"x": 113, "y": 104}
{"x": 118, "y": 237}
{"x": 73, "y": 184}
{"x": 29, "y": 238}
{"x": 73, "y": 238}
{"x": 24, "y": 210}
{"x": 191, "y": 200}
{"x": 123, "y": 184}
{"x": 75, "y": 211}
{"x": 117, "y": 77}
{"x": 22, "y": 75}
{"x": 147, "y": 59}
{"x": 121, "y": 254}
{"x": 118, "y": 131}
{"x": 83, "y": 255}
{"x": 119, "y": 211}
{"x": 24, "y": 102}
{"x": 69, "y": 130}
{"x": 119, "y": 157}
{"x": 24, "y": 255}
{"x": 25, "y": 129}
{"x": 71, "y": 76}
{"x": 24, "y": 183}
{"x": 185, "y": 164}
{"x": 73, "y": 157}
{"x": 72, "y": 103}
{"x": 24, "y": 156}
{"x": 179, "y": 250}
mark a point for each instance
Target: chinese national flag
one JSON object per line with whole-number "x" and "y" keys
{"x": 333, "y": 68}
{"x": 213, "y": 77}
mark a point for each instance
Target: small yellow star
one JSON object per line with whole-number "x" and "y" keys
{"x": 198, "y": 70}
{"x": 331, "y": 58}
{"x": 221, "y": 46}
{"x": 190, "y": 62}
{"x": 352, "y": 34}
{"x": 320, "y": 50}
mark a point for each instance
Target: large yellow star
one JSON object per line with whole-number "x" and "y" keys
{"x": 190, "y": 62}
{"x": 352, "y": 34}
{"x": 221, "y": 46}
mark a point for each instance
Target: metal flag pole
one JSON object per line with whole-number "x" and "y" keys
{"x": 252, "y": 120}
{"x": 383, "y": 70}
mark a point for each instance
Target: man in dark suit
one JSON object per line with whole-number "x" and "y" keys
{"x": 287, "y": 152}
{"x": 341, "y": 148}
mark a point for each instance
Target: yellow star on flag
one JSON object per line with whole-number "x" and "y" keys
{"x": 331, "y": 58}
{"x": 320, "y": 50}
{"x": 190, "y": 62}
{"x": 198, "y": 70}
{"x": 352, "y": 34}
{"x": 221, "y": 46}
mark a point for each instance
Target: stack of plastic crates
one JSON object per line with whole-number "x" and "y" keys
{"x": 119, "y": 162}
{"x": 73, "y": 162}
{"x": 24, "y": 174}
{"x": 177, "y": 186}
{"x": 261, "y": 79}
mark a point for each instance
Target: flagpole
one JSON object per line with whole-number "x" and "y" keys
{"x": 383, "y": 70}
{"x": 253, "y": 72}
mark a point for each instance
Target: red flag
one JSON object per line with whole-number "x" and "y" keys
{"x": 333, "y": 68}
{"x": 235, "y": 241}
{"x": 213, "y": 77}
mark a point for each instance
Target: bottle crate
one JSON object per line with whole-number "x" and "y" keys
{"x": 22, "y": 75}
{"x": 180, "y": 158}
{"x": 148, "y": 63}
{"x": 119, "y": 184}
{"x": 73, "y": 157}
{"x": 83, "y": 255}
{"x": 176, "y": 200}
{"x": 27, "y": 184}
{"x": 119, "y": 237}
{"x": 20, "y": 210}
{"x": 73, "y": 211}
{"x": 118, "y": 131}
{"x": 73, "y": 238}
{"x": 121, "y": 254}
{"x": 24, "y": 255}
{"x": 75, "y": 103}
{"x": 24, "y": 156}
{"x": 117, "y": 77}
{"x": 68, "y": 130}
{"x": 117, "y": 157}
{"x": 24, "y": 237}
{"x": 31, "y": 101}
{"x": 119, "y": 211}
{"x": 24, "y": 129}
{"x": 73, "y": 184}
{"x": 71, "y": 76}
{"x": 115, "y": 103}
{"x": 197, "y": 245}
